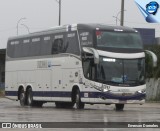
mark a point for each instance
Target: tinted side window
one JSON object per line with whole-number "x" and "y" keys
{"x": 26, "y": 47}
{"x": 72, "y": 44}
{"x": 18, "y": 49}
{"x": 10, "y": 49}
{"x": 58, "y": 44}
{"x": 14, "y": 48}
{"x": 46, "y": 45}
{"x": 35, "y": 47}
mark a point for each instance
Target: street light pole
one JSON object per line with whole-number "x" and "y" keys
{"x": 26, "y": 27}
{"x": 59, "y": 2}
{"x": 122, "y": 12}
{"x": 18, "y": 23}
{"x": 117, "y": 16}
{"x": 59, "y": 12}
{"x": 117, "y": 19}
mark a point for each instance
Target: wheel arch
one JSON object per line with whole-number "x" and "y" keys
{"x": 27, "y": 87}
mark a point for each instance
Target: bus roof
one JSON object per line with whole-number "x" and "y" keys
{"x": 105, "y": 27}
{"x": 66, "y": 28}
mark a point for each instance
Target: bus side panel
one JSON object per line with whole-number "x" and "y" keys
{"x": 43, "y": 85}
{"x": 56, "y": 83}
{"x": 11, "y": 89}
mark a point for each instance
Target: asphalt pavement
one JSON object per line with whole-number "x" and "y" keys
{"x": 11, "y": 111}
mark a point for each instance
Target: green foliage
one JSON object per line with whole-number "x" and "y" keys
{"x": 1, "y": 93}
{"x": 148, "y": 66}
{"x": 150, "y": 71}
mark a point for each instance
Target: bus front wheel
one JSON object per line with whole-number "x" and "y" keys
{"x": 79, "y": 104}
{"x": 119, "y": 107}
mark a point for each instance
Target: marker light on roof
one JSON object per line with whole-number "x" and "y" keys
{"x": 109, "y": 60}
{"x": 118, "y": 30}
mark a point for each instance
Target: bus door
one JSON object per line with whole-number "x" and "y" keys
{"x": 89, "y": 74}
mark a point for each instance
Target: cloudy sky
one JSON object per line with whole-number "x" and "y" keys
{"x": 43, "y": 14}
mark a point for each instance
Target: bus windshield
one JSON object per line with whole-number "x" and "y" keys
{"x": 118, "y": 39}
{"x": 121, "y": 72}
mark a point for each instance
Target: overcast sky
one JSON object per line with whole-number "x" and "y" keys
{"x": 43, "y": 14}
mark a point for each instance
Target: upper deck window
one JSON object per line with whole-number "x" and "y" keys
{"x": 47, "y": 38}
{"x": 26, "y": 41}
{"x": 118, "y": 39}
{"x": 35, "y": 39}
{"x": 14, "y": 42}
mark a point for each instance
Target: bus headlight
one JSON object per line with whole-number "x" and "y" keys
{"x": 142, "y": 91}
{"x": 105, "y": 88}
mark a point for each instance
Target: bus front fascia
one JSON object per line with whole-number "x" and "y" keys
{"x": 96, "y": 55}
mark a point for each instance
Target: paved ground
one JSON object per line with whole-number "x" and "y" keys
{"x": 10, "y": 111}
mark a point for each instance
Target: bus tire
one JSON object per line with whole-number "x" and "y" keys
{"x": 22, "y": 98}
{"x": 119, "y": 107}
{"x": 79, "y": 104}
{"x": 29, "y": 97}
{"x": 30, "y": 101}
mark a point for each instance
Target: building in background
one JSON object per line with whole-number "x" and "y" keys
{"x": 148, "y": 35}
{"x": 158, "y": 40}
{"x": 2, "y": 68}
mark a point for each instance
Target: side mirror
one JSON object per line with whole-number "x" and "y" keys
{"x": 94, "y": 52}
{"x": 154, "y": 57}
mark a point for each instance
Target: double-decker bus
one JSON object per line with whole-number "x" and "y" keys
{"x": 76, "y": 65}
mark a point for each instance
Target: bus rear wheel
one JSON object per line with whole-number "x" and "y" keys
{"x": 22, "y": 98}
{"x": 79, "y": 104}
{"x": 30, "y": 101}
{"x": 119, "y": 107}
{"x": 29, "y": 97}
